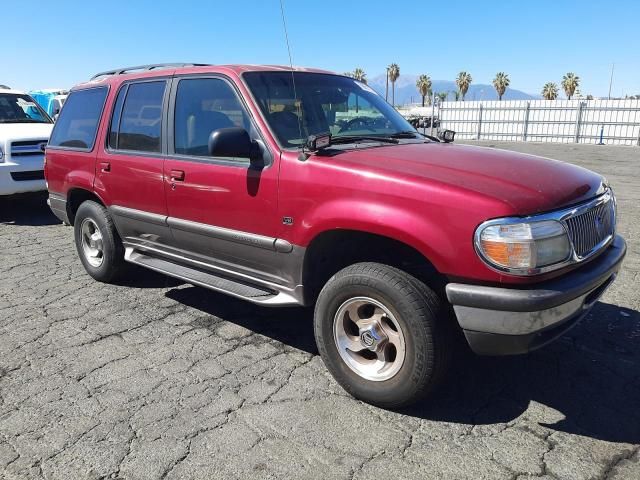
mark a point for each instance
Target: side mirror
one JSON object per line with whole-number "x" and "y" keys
{"x": 446, "y": 136}
{"x": 234, "y": 142}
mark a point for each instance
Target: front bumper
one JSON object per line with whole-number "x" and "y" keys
{"x": 26, "y": 176}
{"x": 507, "y": 321}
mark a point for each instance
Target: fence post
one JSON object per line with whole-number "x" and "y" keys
{"x": 479, "y": 121}
{"x": 578, "y": 121}
{"x": 526, "y": 122}
{"x": 433, "y": 111}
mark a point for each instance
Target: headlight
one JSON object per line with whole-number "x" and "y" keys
{"x": 522, "y": 248}
{"x": 1, "y": 155}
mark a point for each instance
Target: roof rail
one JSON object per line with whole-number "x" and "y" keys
{"x": 121, "y": 71}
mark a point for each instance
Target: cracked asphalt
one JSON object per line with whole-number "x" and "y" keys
{"x": 155, "y": 379}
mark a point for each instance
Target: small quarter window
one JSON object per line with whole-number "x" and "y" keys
{"x": 78, "y": 121}
{"x": 141, "y": 118}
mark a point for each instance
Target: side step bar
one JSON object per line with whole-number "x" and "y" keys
{"x": 209, "y": 280}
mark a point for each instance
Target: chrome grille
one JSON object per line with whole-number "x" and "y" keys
{"x": 589, "y": 229}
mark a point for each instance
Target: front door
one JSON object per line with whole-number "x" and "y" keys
{"x": 222, "y": 212}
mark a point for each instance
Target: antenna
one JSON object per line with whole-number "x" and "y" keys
{"x": 293, "y": 80}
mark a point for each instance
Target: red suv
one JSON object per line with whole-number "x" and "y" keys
{"x": 301, "y": 187}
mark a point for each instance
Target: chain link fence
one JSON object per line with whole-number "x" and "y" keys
{"x": 612, "y": 122}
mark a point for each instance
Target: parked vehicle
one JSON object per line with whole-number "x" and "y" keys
{"x": 24, "y": 132}
{"x": 422, "y": 122}
{"x": 51, "y": 100}
{"x": 248, "y": 180}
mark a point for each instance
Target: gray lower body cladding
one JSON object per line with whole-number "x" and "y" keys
{"x": 269, "y": 264}
{"x": 58, "y": 205}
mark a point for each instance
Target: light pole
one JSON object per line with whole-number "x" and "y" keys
{"x": 386, "y": 91}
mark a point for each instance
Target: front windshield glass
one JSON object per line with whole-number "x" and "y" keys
{"x": 17, "y": 108}
{"x": 339, "y": 105}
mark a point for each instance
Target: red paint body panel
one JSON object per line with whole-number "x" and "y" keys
{"x": 430, "y": 196}
{"x": 224, "y": 196}
{"x": 68, "y": 169}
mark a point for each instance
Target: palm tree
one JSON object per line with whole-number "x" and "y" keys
{"x": 550, "y": 91}
{"x": 394, "y": 73}
{"x": 359, "y": 75}
{"x": 500, "y": 83}
{"x": 570, "y": 83}
{"x": 423, "y": 84}
{"x": 442, "y": 96}
{"x": 463, "y": 81}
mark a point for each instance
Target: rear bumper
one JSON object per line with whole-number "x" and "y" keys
{"x": 506, "y": 321}
{"x": 58, "y": 205}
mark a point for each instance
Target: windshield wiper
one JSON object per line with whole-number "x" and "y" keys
{"x": 358, "y": 138}
{"x": 405, "y": 134}
{"x": 430, "y": 137}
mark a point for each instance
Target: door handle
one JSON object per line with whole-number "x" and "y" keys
{"x": 177, "y": 175}
{"x": 105, "y": 166}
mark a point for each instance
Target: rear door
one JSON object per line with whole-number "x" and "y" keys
{"x": 129, "y": 169}
{"x": 222, "y": 211}
{"x": 71, "y": 151}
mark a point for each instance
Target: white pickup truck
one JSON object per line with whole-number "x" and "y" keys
{"x": 24, "y": 131}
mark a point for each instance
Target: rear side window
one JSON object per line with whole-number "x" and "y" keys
{"x": 115, "y": 118}
{"x": 137, "y": 117}
{"x": 78, "y": 121}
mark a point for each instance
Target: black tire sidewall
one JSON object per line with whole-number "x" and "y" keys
{"x": 418, "y": 368}
{"x": 112, "y": 248}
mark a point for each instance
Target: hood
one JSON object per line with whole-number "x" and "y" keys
{"x": 10, "y": 132}
{"x": 527, "y": 183}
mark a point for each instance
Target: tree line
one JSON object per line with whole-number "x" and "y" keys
{"x": 570, "y": 84}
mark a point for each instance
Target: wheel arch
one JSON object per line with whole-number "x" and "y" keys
{"x": 75, "y": 198}
{"x": 332, "y": 250}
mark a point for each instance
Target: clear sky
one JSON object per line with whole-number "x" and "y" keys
{"x": 59, "y": 43}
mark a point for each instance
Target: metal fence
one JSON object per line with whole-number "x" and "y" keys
{"x": 613, "y": 122}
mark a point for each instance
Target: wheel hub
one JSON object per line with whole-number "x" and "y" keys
{"x": 372, "y": 337}
{"x": 92, "y": 246}
{"x": 369, "y": 338}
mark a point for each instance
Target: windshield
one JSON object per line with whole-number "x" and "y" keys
{"x": 17, "y": 108}
{"x": 339, "y": 105}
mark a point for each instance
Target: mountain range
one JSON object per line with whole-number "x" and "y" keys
{"x": 406, "y": 91}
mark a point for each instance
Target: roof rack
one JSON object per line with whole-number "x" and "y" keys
{"x": 121, "y": 71}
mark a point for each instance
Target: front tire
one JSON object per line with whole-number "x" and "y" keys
{"x": 98, "y": 243}
{"x": 381, "y": 334}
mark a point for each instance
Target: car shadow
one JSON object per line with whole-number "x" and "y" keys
{"x": 590, "y": 377}
{"x": 140, "y": 277}
{"x": 291, "y": 326}
{"x": 27, "y": 209}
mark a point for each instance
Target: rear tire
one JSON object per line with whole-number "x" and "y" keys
{"x": 407, "y": 321}
{"x": 98, "y": 243}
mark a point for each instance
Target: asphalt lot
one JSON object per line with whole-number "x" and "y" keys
{"x": 157, "y": 379}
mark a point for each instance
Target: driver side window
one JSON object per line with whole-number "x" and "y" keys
{"x": 202, "y": 106}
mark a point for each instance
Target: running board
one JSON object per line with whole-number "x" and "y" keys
{"x": 251, "y": 293}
